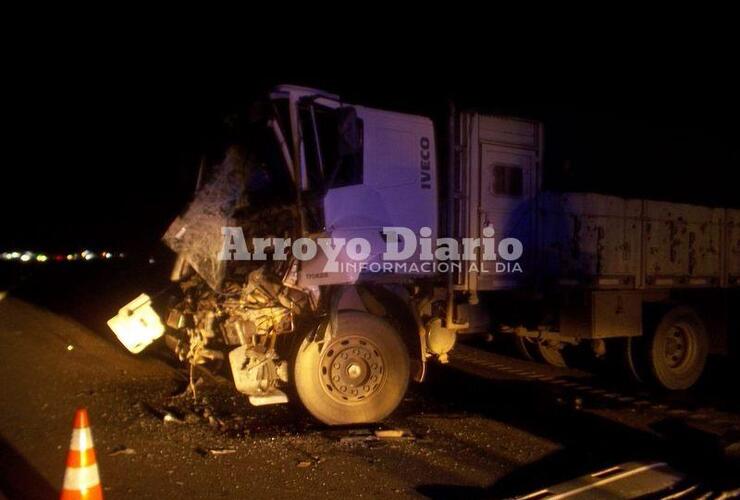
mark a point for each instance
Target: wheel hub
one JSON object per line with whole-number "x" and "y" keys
{"x": 676, "y": 347}
{"x": 352, "y": 369}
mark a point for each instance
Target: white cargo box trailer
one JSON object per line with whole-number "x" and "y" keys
{"x": 615, "y": 267}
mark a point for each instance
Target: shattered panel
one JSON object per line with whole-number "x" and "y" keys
{"x": 196, "y": 234}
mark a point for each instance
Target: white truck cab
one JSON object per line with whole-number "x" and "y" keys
{"x": 388, "y": 178}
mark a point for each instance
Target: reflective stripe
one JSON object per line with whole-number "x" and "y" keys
{"x": 94, "y": 493}
{"x": 81, "y": 458}
{"x": 81, "y": 439}
{"x": 81, "y": 478}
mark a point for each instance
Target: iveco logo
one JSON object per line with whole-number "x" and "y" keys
{"x": 426, "y": 168}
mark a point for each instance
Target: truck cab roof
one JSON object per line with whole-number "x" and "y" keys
{"x": 299, "y": 91}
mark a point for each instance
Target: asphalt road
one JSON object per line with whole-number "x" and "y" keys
{"x": 477, "y": 430}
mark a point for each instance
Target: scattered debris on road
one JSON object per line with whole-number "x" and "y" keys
{"x": 389, "y": 433}
{"x": 355, "y": 436}
{"x": 122, "y": 450}
{"x": 171, "y": 418}
{"x": 221, "y": 451}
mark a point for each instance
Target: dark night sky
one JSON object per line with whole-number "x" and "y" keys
{"x": 103, "y": 152}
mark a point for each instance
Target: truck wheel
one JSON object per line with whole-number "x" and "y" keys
{"x": 525, "y": 347}
{"x": 552, "y": 353}
{"x": 360, "y": 376}
{"x": 631, "y": 349}
{"x": 677, "y": 351}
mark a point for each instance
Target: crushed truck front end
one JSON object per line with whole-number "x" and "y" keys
{"x": 254, "y": 296}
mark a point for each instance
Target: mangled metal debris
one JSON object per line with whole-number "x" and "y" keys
{"x": 196, "y": 234}
{"x": 170, "y": 418}
{"x": 137, "y": 325}
{"x": 356, "y": 436}
{"x": 122, "y": 450}
{"x": 245, "y": 319}
{"x": 391, "y": 433}
{"x": 234, "y": 309}
{"x": 221, "y": 451}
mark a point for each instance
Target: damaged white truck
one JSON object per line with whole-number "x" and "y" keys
{"x": 656, "y": 282}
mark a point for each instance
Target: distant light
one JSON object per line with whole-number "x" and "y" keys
{"x": 85, "y": 252}
{"x": 151, "y": 260}
{"x": 70, "y": 347}
{"x": 7, "y": 256}
{"x": 88, "y": 256}
{"x": 26, "y": 257}
{"x": 41, "y": 258}
{"x": 122, "y": 255}
{"x": 59, "y": 258}
{"x": 72, "y": 256}
{"x": 107, "y": 255}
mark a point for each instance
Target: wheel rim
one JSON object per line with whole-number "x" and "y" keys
{"x": 552, "y": 353}
{"x": 679, "y": 349}
{"x": 679, "y": 346}
{"x": 352, "y": 369}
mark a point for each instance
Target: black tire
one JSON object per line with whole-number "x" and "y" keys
{"x": 678, "y": 349}
{"x": 631, "y": 348}
{"x": 526, "y": 348}
{"x": 359, "y": 376}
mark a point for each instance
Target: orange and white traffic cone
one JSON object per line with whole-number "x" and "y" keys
{"x": 81, "y": 479}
